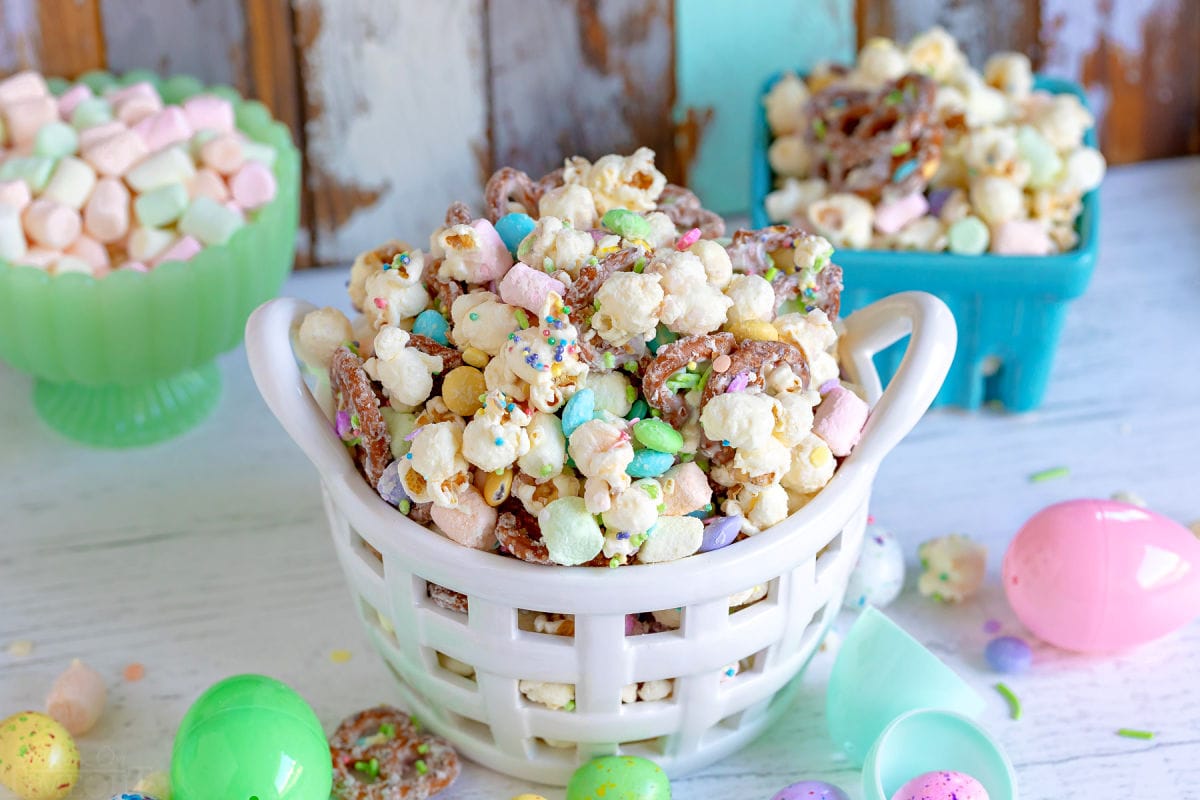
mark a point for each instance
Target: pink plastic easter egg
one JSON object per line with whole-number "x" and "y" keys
{"x": 1098, "y": 575}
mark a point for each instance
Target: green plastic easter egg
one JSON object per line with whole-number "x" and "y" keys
{"x": 251, "y": 738}
{"x": 619, "y": 778}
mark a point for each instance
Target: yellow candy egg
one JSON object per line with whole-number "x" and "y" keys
{"x": 753, "y": 329}
{"x": 462, "y": 389}
{"x": 38, "y": 758}
{"x": 529, "y": 797}
{"x": 475, "y": 357}
{"x": 497, "y": 486}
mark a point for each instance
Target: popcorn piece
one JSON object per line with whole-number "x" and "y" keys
{"x": 672, "y": 538}
{"x": 926, "y": 234}
{"x": 473, "y": 253}
{"x": 372, "y": 261}
{"x": 405, "y": 372}
{"x": 936, "y": 53}
{"x": 394, "y": 295}
{"x": 571, "y": 203}
{"x": 536, "y": 496}
{"x": 496, "y": 437}
{"x": 691, "y": 306}
{"x": 634, "y": 510}
{"x": 814, "y": 334}
{"x": 718, "y": 268}
{"x": 1010, "y": 73}
{"x": 739, "y": 418}
{"x": 471, "y": 523}
{"x": 1084, "y": 171}
{"x": 844, "y": 219}
{"x": 879, "y": 61}
{"x": 321, "y": 332}
{"x": 433, "y": 470}
{"x": 551, "y": 695}
{"x": 627, "y": 307}
{"x": 785, "y": 105}
{"x": 762, "y": 463}
{"x": 554, "y": 246}
{"x": 995, "y": 151}
{"x": 630, "y": 182}
{"x": 482, "y": 321}
{"x": 663, "y": 234}
{"x": 812, "y": 467}
{"x": 759, "y": 506}
{"x": 953, "y": 567}
{"x": 791, "y": 201}
{"x": 547, "y": 450}
{"x": 601, "y": 452}
{"x": 752, "y": 299}
{"x": 1062, "y": 119}
{"x": 794, "y": 416}
{"x": 790, "y": 155}
{"x": 541, "y": 362}
{"x": 839, "y": 420}
{"x": 996, "y": 200}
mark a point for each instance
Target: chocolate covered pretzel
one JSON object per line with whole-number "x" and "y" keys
{"x": 354, "y": 395}
{"x": 382, "y": 754}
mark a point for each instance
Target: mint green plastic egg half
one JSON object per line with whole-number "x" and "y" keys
{"x": 251, "y": 737}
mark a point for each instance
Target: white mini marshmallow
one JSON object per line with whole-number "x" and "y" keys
{"x": 71, "y": 184}
{"x": 172, "y": 165}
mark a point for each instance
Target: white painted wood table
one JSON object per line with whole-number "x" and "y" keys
{"x": 209, "y": 556}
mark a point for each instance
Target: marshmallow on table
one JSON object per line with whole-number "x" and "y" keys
{"x": 184, "y": 249}
{"x": 25, "y": 117}
{"x": 91, "y": 251}
{"x": 209, "y": 221}
{"x": 161, "y": 206}
{"x": 77, "y": 698}
{"x": 88, "y": 137}
{"x": 91, "y": 112}
{"x": 56, "y": 140}
{"x": 254, "y": 186}
{"x": 206, "y": 183}
{"x": 34, "y": 170}
{"x": 71, "y": 184}
{"x": 12, "y": 234}
{"x": 172, "y": 165}
{"x": 52, "y": 225}
{"x": 115, "y": 155}
{"x": 23, "y": 86}
{"x": 207, "y": 111}
{"x": 145, "y": 244}
{"x": 1024, "y": 237}
{"x": 528, "y": 288}
{"x": 73, "y": 97}
{"x": 106, "y": 215}
{"x": 15, "y": 193}
{"x": 895, "y": 214}
{"x": 165, "y": 128}
{"x": 223, "y": 154}
{"x": 839, "y": 420}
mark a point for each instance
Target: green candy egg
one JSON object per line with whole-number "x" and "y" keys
{"x": 251, "y": 737}
{"x": 619, "y": 778}
{"x": 658, "y": 435}
{"x": 626, "y": 224}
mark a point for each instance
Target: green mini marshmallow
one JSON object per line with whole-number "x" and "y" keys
{"x": 570, "y": 532}
{"x": 1044, "y": 161}
{"x": 91, "y": 112}
{"x": 56, "y": 140}
{"x": 257, "y": 151}
{"x": 162, "y": 206}
{"x": 34, "y": 170}
{"x": 968, "y": 237}
{"x": 199, "y": 139}
{"x": 209, "y": 221}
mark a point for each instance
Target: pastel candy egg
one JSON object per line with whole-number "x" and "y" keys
{"x": 658, "y": 435}
{"x": 390, "y": 487}
{"x": 462, "y": 389}
{"x": 649, "y": 464}
{"x": 1098, "y": 575}
{"x": 578, "y": 410}
{"x": 1008, "y": 654}
{"x": 839, "y": 420}
{"x": 721, "y": 532}
{"x": 132, "y": 796}
{"x": 496, "y": 487}
{"x": 38, "y": 758}
{"x": 671, "y": 538}
{"x": 968, "y": 236}
{"x": 472, "y": 523}
{"x": 878, "y": 577}
{"x": 626, "y": 224}
{"x": 811, "y": 790}
{"x": 513, "y": 228}
{"x": 619, "y": 778}
{"x": 432, "y": 324}
{"x": 639, "y": 410}
{"x": 570, "y": 531}
{"x": 942, "y": 786}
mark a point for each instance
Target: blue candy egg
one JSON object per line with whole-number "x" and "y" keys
{"x": 578, "y": 410}
{"x": 513, "y": 228}
{"x": 132, "y": 796}
{"x": 649, "y": 464}
{"x": 432, "y": 324}
{"x": 721, "y": 532}
{"x": 1008, "y": 654}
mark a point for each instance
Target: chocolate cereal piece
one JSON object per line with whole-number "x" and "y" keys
{"x": 355, "y": 396}
{"x": 382, "y": 754}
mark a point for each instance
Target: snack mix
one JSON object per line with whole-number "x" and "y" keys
{"x": 913, "y": 149}
{"x": 584, "y": 376}
{"x": 94, "y": 184}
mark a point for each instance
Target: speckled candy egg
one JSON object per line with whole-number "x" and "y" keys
{"x": 810, "y": 790}
{"x": 619, "y": 778}
{"x": 879, "y": 575}
{"x": 132, "y": 796}
{"x": 942, "y": 786}
{"x": 38, "y": 758}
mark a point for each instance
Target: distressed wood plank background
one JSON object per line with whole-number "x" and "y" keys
{"x": 401, "y": 106}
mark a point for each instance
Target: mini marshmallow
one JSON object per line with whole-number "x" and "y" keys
{"x": 134, "y": 266}
{"x": 142, "y": 89}
{"x": 55, "y": 140}
{"x": 72, "y": 98}
{"x": 839, "y": 420}
{"x": 41, "y": 257}
{"x": 209, "y": 221}
{"x": 77, "y": 698}
{"x": 223, "y": 154}
{"x": 114, "y": 156}
{"x": 207, "y": 111}
{"x": 89, "y": 137}
{"x": 106, "y": 215}
{"x": 145, "y": 244}
{"x": 1021, "y": 237}
{"x": 528, "y": 288}
{"x": 672, "y": 538}
{"x": 91, "y": 251}
{"x": 172, "y": 165}
{"x": 206, "y": 183}
{"x": 257, "y": 151}
{"x": 15, "y": 193}
{"x": 133, "y": 110}
{"x": 12, "y": 235}
{"x": 90, "y": 113}
{"x": 67, "y": 264}
{"x": 52, "y": 225}
{"x": 34, "y": 170}
{"x": 25, "y": 117}
{"x": 472, "y": 523}
{"x": 892, "y": 216}
{"x": 72, "y": 183}
{"x": 27, "y": 85}
{"x": 185, "y": 248}
{"x": 161, "y": 206}
{"x": 164, "y": 128}
{"x": 254, "y": 186}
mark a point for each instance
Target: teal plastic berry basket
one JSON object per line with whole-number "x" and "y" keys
{"x": 1009, "y": 309}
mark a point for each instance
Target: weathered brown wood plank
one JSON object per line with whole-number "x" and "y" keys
{"x": 58, "y": 37}
{"x": 981, "y": 26}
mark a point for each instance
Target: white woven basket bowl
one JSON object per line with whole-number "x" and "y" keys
{"x": 805, "y": 561}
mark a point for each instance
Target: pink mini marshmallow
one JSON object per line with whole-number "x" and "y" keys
{"x": 136, "y": 109}
{"x": 165, "y": 128}
{"x": 26, "y": 117}
{"x": 106, "y": 213}
{"x": 528, "y": 288}
{"x": 1021, "y": 237}
{"x": 894, "y": 215}
{"x": 254, "y": 185}
{"x": 472, "y": 523}
{"x": 685, "y": 489}
{"x": 209, "y": 112}
{"x": 91, "y": 251}
{"x": 496, "y": 260}
{"x": 114, "y": 156}
{"x": 141, "y": 89}
{"x": 73, "y": 97}
{"x": 41, "y": 257}
{"x": 52, "y": 225}
{"x": 25, "y": 85}
{"x": 184, "y": 249}
{"x": 223, "y": 154}
{"x": 15, "y": 193}
{"x": 90, "y": 137}
{"x": 206, "y": 183}
{"x": 839, "y": 420}
{"x": 134, "y": 266}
